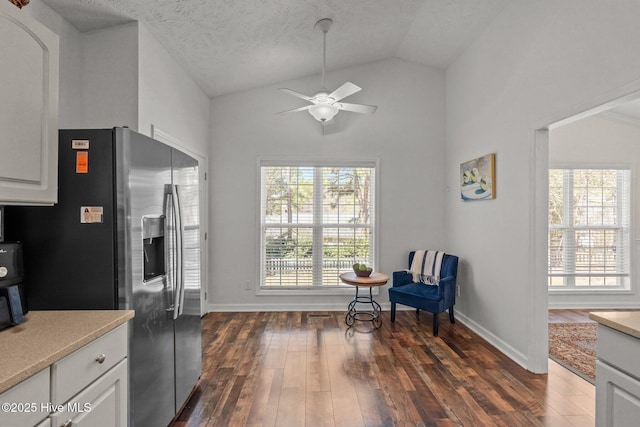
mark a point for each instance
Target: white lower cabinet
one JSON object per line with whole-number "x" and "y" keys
{"x": 45, "y": 423}
{"x": 617, "y": 379}
{"x": 85, "y": 365}
{"x": 87, "y": 388}
{"x": 102, "y": 404}
{"x": 617, "y": 397}
{"x": 23, "y": 403}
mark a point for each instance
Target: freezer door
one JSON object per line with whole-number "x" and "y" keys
{"x": 188, "y": 342}
{"x": 143, "y": 169}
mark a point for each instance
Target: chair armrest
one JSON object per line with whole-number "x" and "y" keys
{"x": 447, "y": 281}
{"x": 401, "y": 278}
{"x": 447, "y": 290}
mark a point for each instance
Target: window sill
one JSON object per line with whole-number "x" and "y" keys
{"x": 328, "y": 290}
{"x": 574, "y": 291}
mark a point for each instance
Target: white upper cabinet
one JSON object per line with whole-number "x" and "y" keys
{"x": 28, "y": 109}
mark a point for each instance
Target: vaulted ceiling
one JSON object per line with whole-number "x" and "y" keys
{"x": 232, "y": 45}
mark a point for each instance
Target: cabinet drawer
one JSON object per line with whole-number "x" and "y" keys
{"x": 103, "y": 404}
{"x": 77, "y": 370}
{"x": 29, "y": 401}
{"x": 619, "y": 349}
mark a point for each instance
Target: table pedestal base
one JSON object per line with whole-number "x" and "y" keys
{"x": 372, "y": 315}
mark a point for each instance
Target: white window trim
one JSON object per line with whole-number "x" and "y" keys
{"x": 313, "y": 290}
{"x": 629, "y": 287}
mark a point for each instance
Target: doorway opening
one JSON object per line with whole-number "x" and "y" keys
{"x": 586, "y": 267}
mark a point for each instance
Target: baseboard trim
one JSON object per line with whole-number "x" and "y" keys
{"x": 342, "y": 306}
{"x": 492, "y": 339}
{"x": 229, "y": 308}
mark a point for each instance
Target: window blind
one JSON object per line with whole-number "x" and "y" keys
{"x": 316, "y": 221}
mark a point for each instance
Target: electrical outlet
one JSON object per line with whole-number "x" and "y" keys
{"x": 457, "y": 290}
{"x": 247, "y": 285}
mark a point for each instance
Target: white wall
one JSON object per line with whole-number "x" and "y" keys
{"x": 168, "y": 98}
{"x": 599, "y": 140}
{"x": 122, "y": 76}
{"x": 406, "y": 134}
{"x": 110, "y": 77}
{"x": 98, "y": 73}
{"x": 536, "y": 61}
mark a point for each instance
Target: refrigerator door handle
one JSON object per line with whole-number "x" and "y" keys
{"x": 172, "y": 256}
{"x": 179, "y": 249}
{"x": 177, "y": 211}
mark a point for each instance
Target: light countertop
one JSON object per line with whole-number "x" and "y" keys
{"x": 627, "y": 322}
{"x": 47, "y": 336}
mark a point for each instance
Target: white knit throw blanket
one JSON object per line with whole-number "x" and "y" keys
{"x": 425, "y": 266}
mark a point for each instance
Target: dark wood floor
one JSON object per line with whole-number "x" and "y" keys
{"x": 308, "y": 369}
{"x": 577, "y": 315}
{"x": 571, "y": 315}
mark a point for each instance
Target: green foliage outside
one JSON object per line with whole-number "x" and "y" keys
{"x": 283, "y": 247}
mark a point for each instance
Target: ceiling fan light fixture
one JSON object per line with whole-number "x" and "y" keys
{"x": 323, "y": 112}
{"x": 326, "y": 105}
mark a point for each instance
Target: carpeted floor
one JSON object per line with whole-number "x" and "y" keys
{"x": 573, "y": 345}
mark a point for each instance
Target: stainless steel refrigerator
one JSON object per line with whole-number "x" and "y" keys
{"x": 124, "y": 235}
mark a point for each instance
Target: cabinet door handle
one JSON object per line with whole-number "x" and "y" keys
{"x": 100, "y": 359}
{"x": 68, "y": 423}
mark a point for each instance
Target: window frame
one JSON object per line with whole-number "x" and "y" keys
{"x": 340, "y": 289}
{"x": 625, "y": 287}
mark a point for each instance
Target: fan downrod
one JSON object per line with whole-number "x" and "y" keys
{"x": 324, "y": 24}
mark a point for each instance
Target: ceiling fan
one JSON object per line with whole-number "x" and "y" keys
{"x": 324, "y": 105}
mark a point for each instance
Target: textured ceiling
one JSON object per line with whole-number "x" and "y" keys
{"x": 231, "y": 45}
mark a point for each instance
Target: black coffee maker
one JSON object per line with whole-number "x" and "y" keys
{"x": 13, "y": 304}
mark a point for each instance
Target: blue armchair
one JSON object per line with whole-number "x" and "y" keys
{"x": 432, "y": 298}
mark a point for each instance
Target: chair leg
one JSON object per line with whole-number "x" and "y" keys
{"x": 435, "y": 325}
{"x": 393, "y": 311}
{"x": 451, "y": 318}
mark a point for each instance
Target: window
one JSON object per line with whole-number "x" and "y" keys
{"x": 316, "y": 222}
{"x": 589, "y": 229}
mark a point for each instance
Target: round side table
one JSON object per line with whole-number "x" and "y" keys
{"x": 353, "y": 314}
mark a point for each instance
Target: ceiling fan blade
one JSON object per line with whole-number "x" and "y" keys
{"x": 296, "y": 109}
{"x": 358, "y": 108}
{"x": 298, "y": 94}
{"x": 343, "y": 91}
